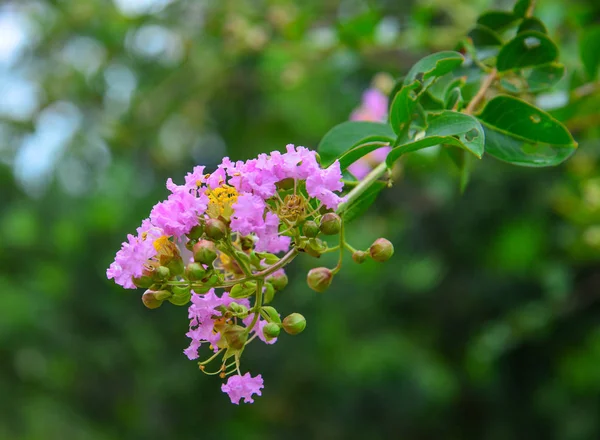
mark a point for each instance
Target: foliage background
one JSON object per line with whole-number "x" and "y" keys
{"x": 484, "y": 325}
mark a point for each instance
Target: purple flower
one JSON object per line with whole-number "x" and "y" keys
{"x": 322, "y": 184}
{"x": 365, "y": 164}
{"x": 135, "y": 253}
{"x": 269, "y": 239}
{"x": 179, "y": 213}
{"x": 374, "y": 107}
{"x": 248, "y": 214}
{"x": 238, "y": 387}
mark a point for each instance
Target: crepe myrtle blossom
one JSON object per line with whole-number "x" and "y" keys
{"x": 373, "y": 108}
{"x": 212, "y": 246}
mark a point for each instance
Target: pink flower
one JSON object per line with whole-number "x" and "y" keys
{"x": 269, "y": 239}
{"x": 238, "y": 387}
{"x": 374, "y": 107}
{"x": 248, "y": 214}
{"x": 322, "y": 184}
{"x": 258, "y": 329}
{"x": 179, "y": 213}
{"x": 365, "y": 164}
{"x": 134, "y": 255}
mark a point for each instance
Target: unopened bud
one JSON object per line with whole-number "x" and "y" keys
{"x": 195, "y": 272}
{"x": 196, "y": 232}
{"x": 242, "y": 290}
{"x": 319, "y": 279}
{"x": 215, "y": 229}
{"x": 144, "y": 281}
{"x": 279, "y": 280}
{"x": 381, "y": 250}
{"x": 161, "y": 295}
{"x": 149, "y": 299}
{"x": 176, "y": 266}
{"x": 310, "y": 229}
{"x": 236, "y": 337}
{"x": 205, "y": 252}
{"x": 162, "y": 273}
{"x": 331, "y": 224}
{"x": 269, "y": 293}
{"x": 181, "y": 295}
{"x": 359, "y": 257}
{"x": 294, "y": 324}
{"x": 272, "y": 315}
{"x": 271, "y": 330}
{"x": 189, "y": 245}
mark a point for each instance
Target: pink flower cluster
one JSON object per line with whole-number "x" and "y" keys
{"x": 374, "y": 108}
{"x": 255, "y": 182}
{"x": 238, "y": 387}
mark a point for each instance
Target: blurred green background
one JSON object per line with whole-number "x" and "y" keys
{"x": 485, "y": 324}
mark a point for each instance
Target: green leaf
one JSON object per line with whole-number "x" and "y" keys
{"x": 532, "y": 24}
{"x": 359, "y": 206}
{"x": 522, "y": 134}
{"x": 527, "y": 49}
{"x": 522, "y": 7}
{"x": 483, "y": 36}
{"x": 497, "y": 20}
{"x": 589, "y": 50}
{"x": 433, "y": 66}
{"x": 544, "y": 77}
{"x": 402, "y": 107}
{"x": 352, "y": 155}
{"x": 350, "y": 134}
{"x": 446, "y": 127}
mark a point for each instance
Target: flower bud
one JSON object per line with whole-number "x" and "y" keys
{"x": 162, "y": 273}
{"x": 149, "y": 299}
{"x": 279, "y": 280}
{"x": 236, "y": 337}
{"x": 189, "y": 245}
{"x": 243, "y": 290}
{"x": 144, "y": 281}
{"x": 310, "y": 229}
{"x": 181, "y": 295}
{"x": 176, "y": 266}
{"x": 195, "y": 272}
{"x": 319, "y": 279}
{"x": 294, "y": 324}
{"x": 205, "y": 252}
{"x": 196, "y": 232}
{"x": 331, "y": 223}
{"x": 215, "y": 229}
{"x": 161, "y": 295}
{"x": 269, "y": 293}
{"x": 272, "y": 315}
{"x": 271, "y": 330}
{"x": 211, "y": 280}
{"x": 381, "y": 250}
{"x": 238, "y": 309}
{"x": 359, "y": 257}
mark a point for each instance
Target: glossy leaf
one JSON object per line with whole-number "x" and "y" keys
{"x": 433, "y": 66}
{"x": 483, "y": 36}
{"x": 350, "y": 134}
{"x": 522, "y": 134}
{"x": 402, "y": 107}
{"x": 527, "y": 49}
{"x": 352, "y": 155}
{"x": 359, "y": 206}
{"x": 534, "y": 79}
{"x": 589, "y": 50}
{"x": 522, "y": 7}
{"x": 532, "y": 24}
{"x": 497, "y": 20}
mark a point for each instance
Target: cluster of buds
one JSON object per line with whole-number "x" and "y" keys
{"x": 213, "y": 246}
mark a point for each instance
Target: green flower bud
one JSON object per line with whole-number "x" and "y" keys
{"x": 236, "y": 337}
{"x": 271, "y": 330}
{"x": 272, "y": 315}
{"x": 294, "y": 324}
{"x": 331, "y": 223}
{"x": 359, "y": 257}
{"x": 189, "y": 245}
{"x": 149, "y": 299}
{"x": 310, "y": 229}
{"x": 238, "y": 309}
{"x": 381, "y": 250}
{"x": 162, "y": 273}
{"x": 269, "y": 293}
{"x": 205, "y": 252}
{"x": 215, "y": 229}
{"x": 176, "y": 266}
{"x": 196, "y": 232}
{"x": 195, "y": 272}
{"x": 279, "y": 280}
{"x": 144, "y": 281}
{"x": 181, "y": 295}
{"x": 243, "y": 290}
{"x": 161, "y": 295}
{"x": 319, "y": 279}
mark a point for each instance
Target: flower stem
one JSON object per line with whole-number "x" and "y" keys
{"x": 364, "y": 184}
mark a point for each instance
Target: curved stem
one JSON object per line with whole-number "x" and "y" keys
{"x": 363, "y": 185}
